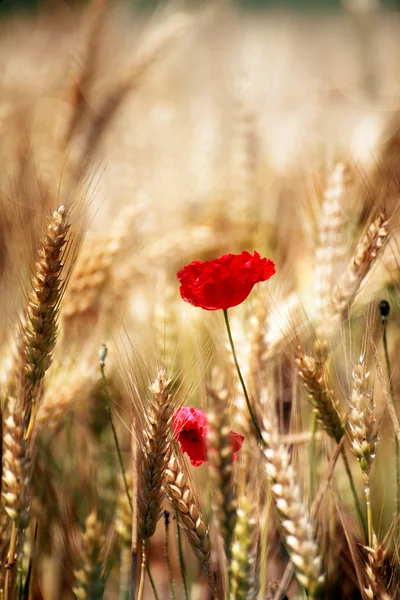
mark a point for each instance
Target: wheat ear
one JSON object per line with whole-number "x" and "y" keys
{"x": 362, "y": 430}
{"x": 221, "y": 469}
{"x": 365, "y": 254}
{"x": 89, "y": 581}
{"x": 331, "y": 248}
{"x": 242, "y": 576}
{"x": 94, "y": 271}
{"x": 375, "y": 589}
{"x": 312, "y": 373}
{"x": 148, "y": 54}
{"x": 190, "y": 514}
{"x": 40, "y": 330}
{"x": 16, "y": 466}
{"x": 70, "y": 383}
{"x": 156, "y": 443}
{"x": 82, "y": 72}
{"x": 298, "y": 530}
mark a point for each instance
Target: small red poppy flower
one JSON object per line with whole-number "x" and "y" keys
{"x": 191, "y": 430}
{"x": 223, "y": 282}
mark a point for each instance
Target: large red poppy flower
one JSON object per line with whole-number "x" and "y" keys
{"x": 191, "y": 430}
{"x": 223, "y": 282}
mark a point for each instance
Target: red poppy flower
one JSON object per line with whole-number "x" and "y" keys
{"x": 223, "y": 282}
{"x": 191, "y": 430}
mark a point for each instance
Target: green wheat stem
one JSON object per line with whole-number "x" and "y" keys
{"x": 108, "y": 407}
{"x": 253, "y": 418}
{"x": 396, "y": 442}
{"x": 354, "y": 492}
{"x": 153, "y": 585}
{"x": 181, "y": 559}
{"x": 166, "y": 553}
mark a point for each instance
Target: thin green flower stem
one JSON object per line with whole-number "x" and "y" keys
{"x": 396, "y": 441}
{"x": 108, "y": 407}
{"x": 354, "y": 492}
{"x": 166, "y": 551}
{"x": 314, "y": 428}
{"x": 181, "y": 559}
{"x": 253, "y": 418}
{"x": 153, "y": 585}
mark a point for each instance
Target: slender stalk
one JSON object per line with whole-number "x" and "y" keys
{"x": 142, "y": 573}
{"x": 367, "y": 492}
{"x": 10, "y": 559}
{"x": 166, "y": 551}
{"x": 153, "y": 585}
{"x": 354, "y": 492}
{"x": 396, "y": 442}
{"x": 252, "y": 415}
{"x": 108, "y": 407}
{"x": 181, "y": 559}
{"x": 314, "y": 428}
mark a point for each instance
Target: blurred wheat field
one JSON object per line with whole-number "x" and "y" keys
{"x": 130, "y": 146}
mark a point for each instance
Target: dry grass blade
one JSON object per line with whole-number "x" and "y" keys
{"x": 156, "y": 441}
{"x": 190, "y": 514}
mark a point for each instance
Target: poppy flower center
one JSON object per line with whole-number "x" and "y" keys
{"x": 191, "y": 435}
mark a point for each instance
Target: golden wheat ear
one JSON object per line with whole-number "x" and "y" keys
{"x": 220, "y": 455}
{"x": 297, "y": 526}
{"x": 367, "y": 250}
{"x": 191, "y": 517}
{"x": 89, "y": 582}
{"x": 156, "y": 444}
